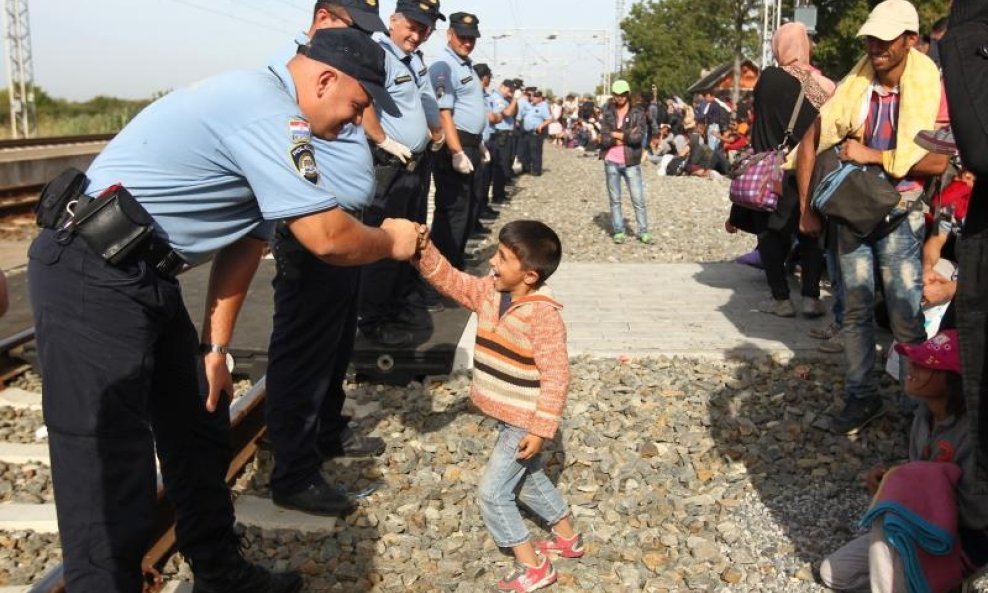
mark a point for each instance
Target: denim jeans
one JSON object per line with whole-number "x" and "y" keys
{"x": 507, "y": 481}
{"x": 836, "y": 285}
{"x": 899, "y": 259}
{"x": 633, "y": 175}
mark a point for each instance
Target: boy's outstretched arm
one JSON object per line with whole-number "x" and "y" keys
{"x": 463, "y": 288}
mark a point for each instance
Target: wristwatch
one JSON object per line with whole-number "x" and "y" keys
{"x": 219, "y": 349}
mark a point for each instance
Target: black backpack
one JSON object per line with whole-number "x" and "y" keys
{"x": 964, "y": 56}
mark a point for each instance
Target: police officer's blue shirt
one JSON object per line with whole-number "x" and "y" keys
{"x": 429, "y": 102}
{"x": 458, "y": 88}
{"x": 402, "y": 83}
{"x": 496, "y": 103}
{"x": 488, "y": 127}
{"x": 534, "y": 116}
{"x": 346, "y": 161}
{"x": 211, "y": 162}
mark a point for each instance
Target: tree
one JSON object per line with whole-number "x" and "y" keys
{"x": 671, "y": 41}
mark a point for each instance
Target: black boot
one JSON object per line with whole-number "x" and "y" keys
{"x": 228, "y": 572}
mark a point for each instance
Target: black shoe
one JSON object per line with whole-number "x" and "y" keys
{"x": 319, "y": 498}
{"x": 426, "y": 298}
{"x": 352, "y": 444}
{"x": 480, "y": 230}
{"x": 856, "y": 414}
{"x": 229, "y": 572}
{"x": 488, "y": 213}
{"x": 388, "y": 335}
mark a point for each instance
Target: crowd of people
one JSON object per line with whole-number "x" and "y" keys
{"x": 327, "y": 156}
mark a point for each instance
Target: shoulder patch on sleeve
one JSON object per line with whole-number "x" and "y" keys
{"x": 299, "y": 131}
{"x": 304, "y": 159}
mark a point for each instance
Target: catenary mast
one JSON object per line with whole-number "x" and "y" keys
{"x": 20, "y": 68}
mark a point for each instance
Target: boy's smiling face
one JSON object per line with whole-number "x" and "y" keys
{"x": 509, "y": 275}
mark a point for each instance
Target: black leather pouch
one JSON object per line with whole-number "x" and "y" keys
{"x": 52, "y": 209}
{"x": 115, "y": 225}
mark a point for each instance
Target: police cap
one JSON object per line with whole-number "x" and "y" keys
{"x": 366, "y": 14}
{"x": 510, "y": 84}
{"x": 422, "y": 11}
{"x": 465, "y": 24}
{"x": 355, "y": 54}
{"x": 482, "y": 70}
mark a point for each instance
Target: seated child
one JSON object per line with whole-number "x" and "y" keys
{"x": 520, "y": 378}
{"x": 939, "y": 433}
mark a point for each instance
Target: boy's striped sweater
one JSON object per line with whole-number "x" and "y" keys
{"x": 521, "y": 367}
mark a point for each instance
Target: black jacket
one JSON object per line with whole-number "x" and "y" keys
{"x": 634, "y": 129}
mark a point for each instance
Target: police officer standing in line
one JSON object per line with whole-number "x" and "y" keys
{"x": 502, "y": 106}
{"x": 385, "y": 284}
{"x": 535, "y": 118}
{"x": 195, "y": 175}
{"x": 484, "y": 211}
{"x": 315, "y": 318}
{"x": 463, "y": 116}
{"x": 521, "y": 142}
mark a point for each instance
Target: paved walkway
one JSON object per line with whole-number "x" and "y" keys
{"x": 706, "y": 310}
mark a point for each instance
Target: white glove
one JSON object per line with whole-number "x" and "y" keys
{"x": 437, "y": 145}
{"x": 518, "y": 94}
{"x": 462, "y": 164}
{"x": 485, "y": 155}
{"x": 396, "y": 148}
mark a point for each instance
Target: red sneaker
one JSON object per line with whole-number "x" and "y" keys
{"x": 527, "y": 578}
{"x": 561, "y": 547}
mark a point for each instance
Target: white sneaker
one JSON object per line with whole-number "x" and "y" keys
{"x": 812, "y": 307}
{"x": 782, "y": 308}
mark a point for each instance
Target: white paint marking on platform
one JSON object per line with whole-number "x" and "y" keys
{"x": 24, "y": 453}
{"x": 174, "y": 587}
{"x": 463, "y": 359}
{"x": 28, "y": 517}
{"x": 253, "y": 511}
{"x": 14, "y": 397}
{"x": 22, "y": 589}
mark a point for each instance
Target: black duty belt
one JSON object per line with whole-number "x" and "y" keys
{"x": 162, "y": 258}
{"x": 383, "y": 158}
{"x": 469, "y": 140}
{"x": 504, "y": 132}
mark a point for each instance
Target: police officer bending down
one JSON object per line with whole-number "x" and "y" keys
{"x": 125, "y": 374}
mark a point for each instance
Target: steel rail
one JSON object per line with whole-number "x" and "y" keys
{"x": 246, "y": 428}
{"x": 54, "y": 140}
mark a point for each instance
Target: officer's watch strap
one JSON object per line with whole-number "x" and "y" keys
{"x": 213, "y": 349}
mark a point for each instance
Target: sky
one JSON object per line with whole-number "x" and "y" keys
{"x": 134, "y": 48}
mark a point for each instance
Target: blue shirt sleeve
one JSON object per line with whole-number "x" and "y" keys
{"x": 282, "y": 173}
{"x": 441, "y": 76}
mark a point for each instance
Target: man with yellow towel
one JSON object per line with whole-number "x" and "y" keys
{"x": 892, "y": 93}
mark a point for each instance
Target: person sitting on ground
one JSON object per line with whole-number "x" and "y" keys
{"x": 521, "y": 343}
{"x": 704, "y": 161}
{"x": 733, "y": 141}
{"x": 939, "y": 433}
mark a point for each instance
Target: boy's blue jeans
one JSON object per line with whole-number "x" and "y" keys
{"x": 899, "y": 259}
{"x": 507, "y": 481}
{"x": 633, "y": 175}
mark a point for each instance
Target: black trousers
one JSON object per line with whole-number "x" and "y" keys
{"x": 385, "y": 283}
{"x": 124, "y": 379}
{"x": 315, "y": 319}
{"x": 522, "y": 149}
{"x": 456, "y": 204}
{"x": 972, "y": 321}
{"x": 502, "y": 157}
{"x": 775, "y": 243}
{"x": 536, "y": 142}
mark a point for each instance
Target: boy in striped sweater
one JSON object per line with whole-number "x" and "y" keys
{"x": 520, "y": 378}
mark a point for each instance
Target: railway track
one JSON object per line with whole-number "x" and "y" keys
{"x": 247, "y": 427}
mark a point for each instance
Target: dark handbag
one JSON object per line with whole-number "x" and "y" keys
{"x": 115, "y": 225}
{"x": 53, "y": 207}
{"x": 860, "y": 197}
{"x": 964, "y": 54}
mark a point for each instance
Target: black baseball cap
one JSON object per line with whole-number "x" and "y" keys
{"x": 366, "y": 14}
{"x": 352, "y": 52}
{"x": 511, "y": 84}
{"x": 482, "y": 70}
{"x": 464, "y": 24}
{"x": 422, "y": 11}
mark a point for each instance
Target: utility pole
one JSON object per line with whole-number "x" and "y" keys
{"x": 20, "y": 68}
{"x": 618, "y": 40}
{"x": 771, "y": 20}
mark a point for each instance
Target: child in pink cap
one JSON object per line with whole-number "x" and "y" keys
{"x": 939, "y": 433}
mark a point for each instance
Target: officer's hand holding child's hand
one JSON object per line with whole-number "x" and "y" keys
{"x": 462, "y": 164}
{"x": 529, "y": 446}
{"x": 219, "y": 378}
{"x": 404, "y": 237}
{"x": 423, "y": 238}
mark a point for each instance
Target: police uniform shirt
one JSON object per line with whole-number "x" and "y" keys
{"x": 211, "y": 162}
{"x": 346, "y": 162}
{"x": 402, "y": 83}
{"x": 523, "y": 105}
{"x": 458, "y": 88}
{"x": 534, "y": 115}
{"x": 429, "y": 102}
{"x": 488, "y": 128}
{"x": 496, "y": 103}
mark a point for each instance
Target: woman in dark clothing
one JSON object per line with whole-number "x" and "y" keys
{"x": 775, "y": 97}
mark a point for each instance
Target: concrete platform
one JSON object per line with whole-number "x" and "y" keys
{"x": 253, "y": 511}
{"x": 13, "y": 397}
{"x": 28, "y": 517}
{"x": 19, "y": 453}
